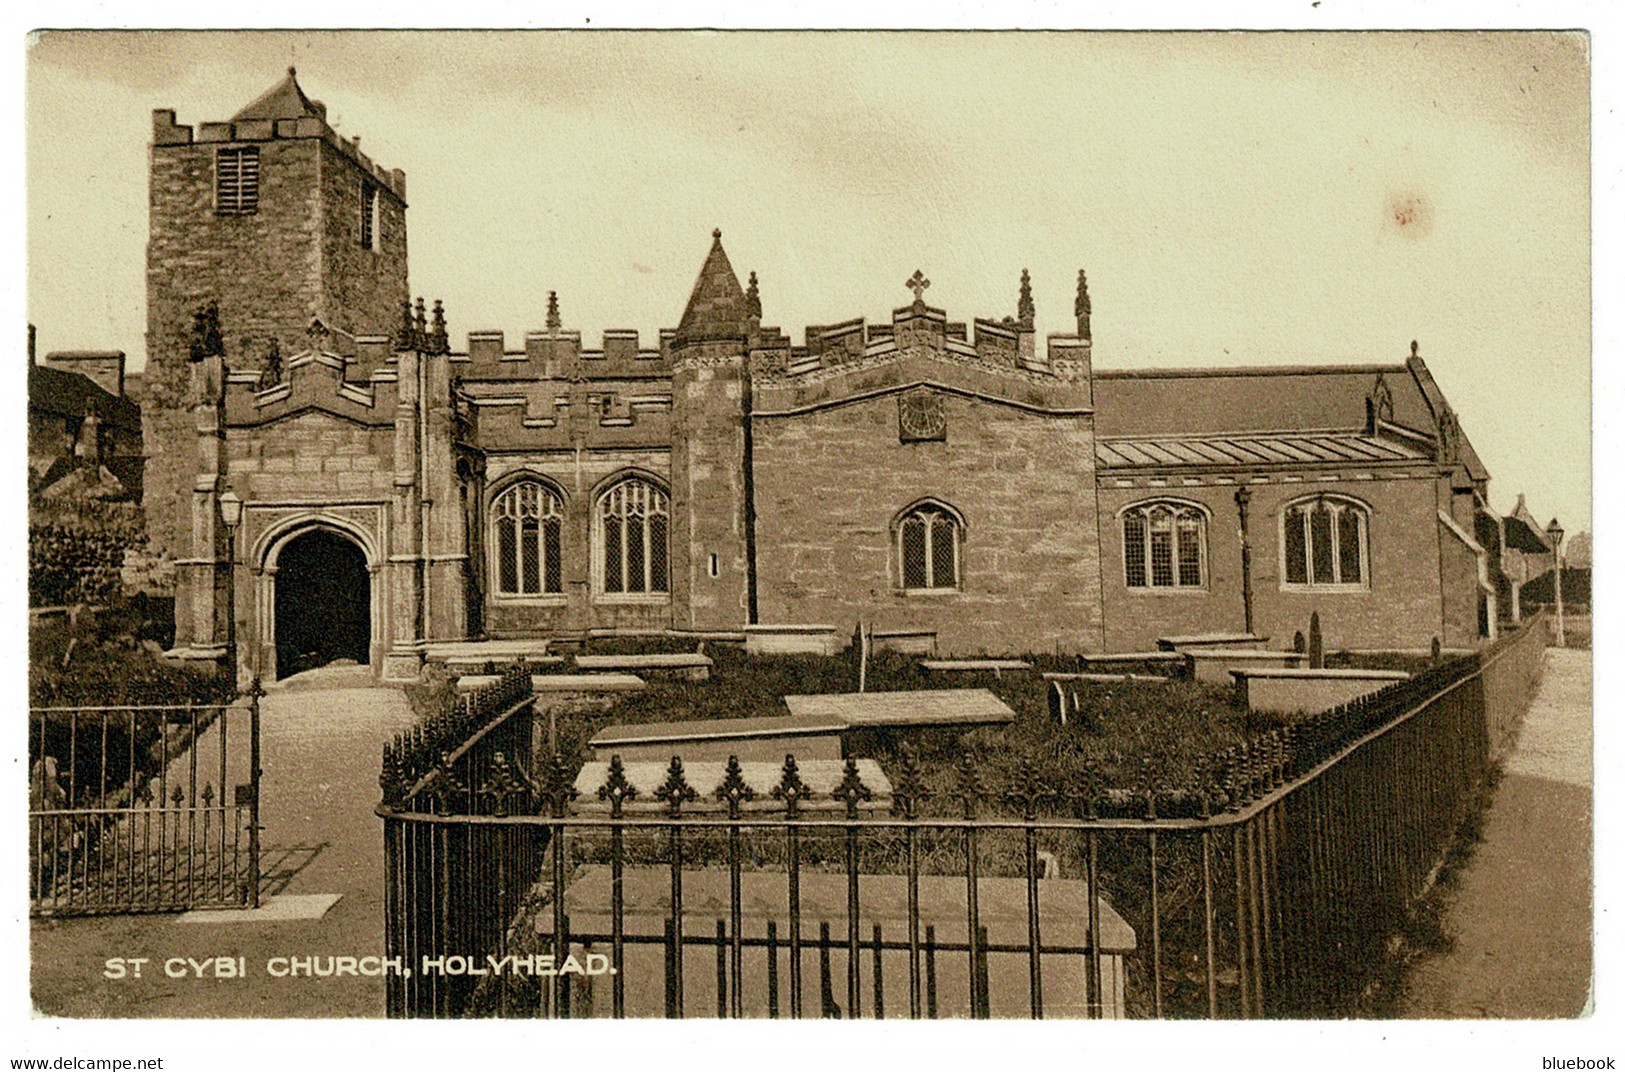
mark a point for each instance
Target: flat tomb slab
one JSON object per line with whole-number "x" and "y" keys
{"x": 1286, "y": 691}
{"x": 1213, "y": 665}
{"x": 1063, "y": 906}
{"x": 762, "y": 739}
{"x": 793, "y": 640}
{"x": 905, "y": 641}
{"x": 478, "y": 663}
{"x": 948, "y": 666}
{"x": 505, "y": 650}
{"x": 914, "y": 707}
{"x": 821, "y": 776}
{"x": 1113, "y": 658}
{"x": 551, "y": 683}
{"x": 1153, "y": 679}
{"x": 689, "y": 667}
{"x": 1210, "y": 640}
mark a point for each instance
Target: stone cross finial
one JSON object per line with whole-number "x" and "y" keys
{"x": 917, "y": 283}
{"x": 1081, "y": 308}
{"x": 554, "y": 322}
{"x": 1025, "y": 310}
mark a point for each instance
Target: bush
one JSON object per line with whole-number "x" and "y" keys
{"x": 74, "y": 565}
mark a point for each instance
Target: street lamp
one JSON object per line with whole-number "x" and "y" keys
{"x": 1554, "y": 533}
{"x": 231, "y": 512}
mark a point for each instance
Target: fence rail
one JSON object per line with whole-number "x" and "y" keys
{"x": 148, "y": 808}
{"x": 1266, "y": 887}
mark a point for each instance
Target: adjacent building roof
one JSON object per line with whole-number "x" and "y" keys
{"x": 717, "y": 309}
{"x": 70, "y": 394}
{"x": 1327, "y": 448}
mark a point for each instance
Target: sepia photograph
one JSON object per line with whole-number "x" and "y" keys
{"x": 811, "y": 526}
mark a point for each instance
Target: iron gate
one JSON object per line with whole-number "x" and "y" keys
{"x": 144, "y": 808}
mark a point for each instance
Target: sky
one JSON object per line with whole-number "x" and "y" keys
{"x": 1237, "y": 199}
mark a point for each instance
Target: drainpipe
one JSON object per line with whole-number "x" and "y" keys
{"x": 1243, "y": 497}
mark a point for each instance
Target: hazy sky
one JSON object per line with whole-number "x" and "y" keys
{"x": 1236, "y": 198}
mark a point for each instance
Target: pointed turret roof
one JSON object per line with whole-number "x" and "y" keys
{"x": 285, "y": 100}
{"x": 717, "y": 309}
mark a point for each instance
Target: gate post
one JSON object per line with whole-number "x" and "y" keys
{"x": 254, "y": 692}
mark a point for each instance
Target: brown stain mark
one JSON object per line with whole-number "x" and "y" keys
{"x": 1408, "y": 215}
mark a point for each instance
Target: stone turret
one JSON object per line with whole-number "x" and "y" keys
{"x": 710, "y": 459}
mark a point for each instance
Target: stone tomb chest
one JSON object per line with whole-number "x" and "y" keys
{"x": 1063, "y": 906}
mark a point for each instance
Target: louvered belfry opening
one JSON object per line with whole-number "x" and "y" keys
{"x": 237, "y": 181}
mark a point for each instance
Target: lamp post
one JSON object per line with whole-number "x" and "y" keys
{"x": 231, "y": 512}
{"x": 1554, "y": 533}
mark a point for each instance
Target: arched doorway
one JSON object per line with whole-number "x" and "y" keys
{"x": 323, "y": 602}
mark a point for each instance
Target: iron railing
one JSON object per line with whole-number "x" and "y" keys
{"x": 1268, "y": 885}
{"x": 143, "y": 808}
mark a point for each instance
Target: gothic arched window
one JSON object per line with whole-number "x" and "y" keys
{"x": 1325, "y": 543}
{"x": 929, "y": 536}
{"x": 526, "y": 521}
{"x": 630, "y": 539}
{"x": 1164, "y": 545}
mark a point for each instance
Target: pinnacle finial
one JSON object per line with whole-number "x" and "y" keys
{"x": 1414, "y": 348}
{"x": 1025, "y": 309}
{"x": 753, "y": 299}
{"x": 291, "y": 71}
{"x": 1081, "y": 308}
{"x": 554, "y": 321}
{"x": 440, "y": 343}
{"x": 716, "y": 232}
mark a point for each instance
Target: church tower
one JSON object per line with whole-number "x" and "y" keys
{"x": 261, "y": 229}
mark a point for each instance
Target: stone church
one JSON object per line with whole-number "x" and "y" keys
{"x": 919, "y": 473}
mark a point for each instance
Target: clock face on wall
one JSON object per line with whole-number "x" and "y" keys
{"x": 921, "y": 416}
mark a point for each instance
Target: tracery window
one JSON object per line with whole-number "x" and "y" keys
{"x": 526, "y": 524}
{"x": 928, "y": 547}
{"x": 631, "y": 534}
{"x": 1325, "y": 543}
{"x": 1164, "y": 546}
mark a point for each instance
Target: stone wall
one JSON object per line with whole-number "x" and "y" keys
{"x": 1400, "y": 608}
{"x": 831, "y": 482}
{"x": 578, "y": 478}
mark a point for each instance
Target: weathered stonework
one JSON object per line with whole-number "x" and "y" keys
{"x": 782, "y": 472}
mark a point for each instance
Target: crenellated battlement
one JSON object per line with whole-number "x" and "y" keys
{"x": 283, "y": 113}
{"x": 557, "y": 354}
{"x": 996, "y": 345}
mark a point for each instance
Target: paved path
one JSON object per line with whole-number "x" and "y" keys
{"x": 1521, "y": 913}
{"x": 321, "y": 742}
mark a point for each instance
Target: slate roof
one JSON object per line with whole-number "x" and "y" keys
{"x": 1327, "y": 448}
{"x": 1185, "y": 402}
{"x": 285, "y": 100}
{"x": 70, "y": 394}
{"x": 717, "y": 310}
{"x": 1273, "y": 402}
